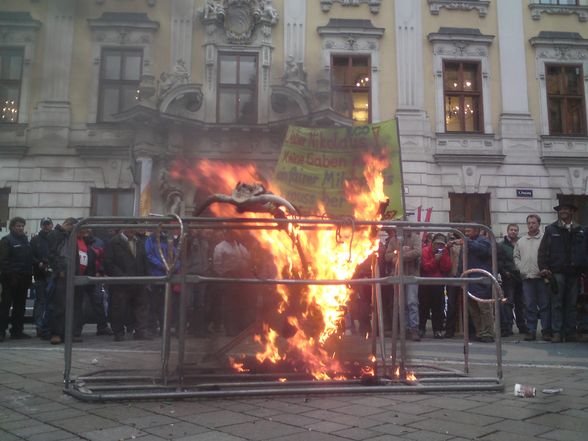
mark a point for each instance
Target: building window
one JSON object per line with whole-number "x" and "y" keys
{"x": 237, "y": 88}
{"x": 120, "y": 73}
{"x": 462, "y": 91}
{"x": 469, "y": 207}
{"x": 351, "y": 86}
{"x": 10, "y": 80}
{"x": 112, "y": 202}
{"x": 4, "y": 210}
{"x": 565, "y": 100}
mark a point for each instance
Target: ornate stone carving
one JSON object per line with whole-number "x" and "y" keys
{"x": 464, "y": 5}
{"x": 563, "y": 53}
{"x": 295, "y": 76}
{"x": 538, "y": 9}
{"x": 374, "y": 5}
{"x": 180, "y": 75}
{"x": 239, "y": 18}
{"x": 147, "y": 88}
{"x": 172, "y": 197}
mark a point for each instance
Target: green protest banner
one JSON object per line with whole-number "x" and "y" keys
{"x": 315, "y": 162}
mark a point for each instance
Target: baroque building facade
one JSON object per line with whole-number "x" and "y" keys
{"x": 100, "y": 96}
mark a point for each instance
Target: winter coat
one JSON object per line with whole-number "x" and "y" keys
{"x": 15, "y": 254}
{"x": 40, "y": 250}
{"x": 525, "y": 256}
{"x": 411, "y": 258}
{"x": 119, "y": 260}
{"x": 155, "y": 266}
{"x": 58, "y": 250}
{"x": 479, "y": 256}
{"x": 562, "y": 250}
{"x": 430, "y": 266}
{"x": 506, "y": 264}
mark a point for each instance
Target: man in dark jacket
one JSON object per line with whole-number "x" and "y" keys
{"x": 58, "y": 240}
{"x": 511, "y": 284}
{"x": 479, "y": 256}
{"x": 42, "y": 274}
{"x": 125, "y": 256}
{"x": 562, "y": 258}
{"x": 16, "y": 266}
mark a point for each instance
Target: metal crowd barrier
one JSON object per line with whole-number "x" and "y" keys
{"x": 187, "y": 380}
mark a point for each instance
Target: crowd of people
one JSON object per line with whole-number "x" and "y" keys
{"x": 540, "y": 274}
{"x": 119, "y": 310}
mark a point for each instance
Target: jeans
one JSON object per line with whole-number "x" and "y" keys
{"x": 563, "y": 305}
{"x": 411, "y": 295}
{"x": 537, "y": 305}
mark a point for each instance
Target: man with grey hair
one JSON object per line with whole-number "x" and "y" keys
{"x": 535, "y": 292}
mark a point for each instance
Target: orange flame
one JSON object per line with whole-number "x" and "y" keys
{"x": 411, "y": 377}
{"x": 238, "y": 366}
{"x": 314, "y": 313}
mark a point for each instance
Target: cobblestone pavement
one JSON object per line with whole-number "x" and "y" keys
{"x": 33, "y": 407}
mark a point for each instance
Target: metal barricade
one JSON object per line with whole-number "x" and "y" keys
{"x": 185, "y": 380}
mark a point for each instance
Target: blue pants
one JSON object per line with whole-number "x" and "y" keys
{"x": 537, "y": 305}
{"x": 411, "y": 295}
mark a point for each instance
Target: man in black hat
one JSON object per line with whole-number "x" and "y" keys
{"x": 41, "y": 273}
{"x": 561, "y": 259}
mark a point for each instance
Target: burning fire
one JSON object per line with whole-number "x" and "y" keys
{"x": 310, "y": 315}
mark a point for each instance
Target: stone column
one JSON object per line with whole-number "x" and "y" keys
{"x": 145, "y": 190}
{"x": 409, "y": 67}
{"x": 50, "y": 120}
{"x": 294, "y": 29}
{"x": 515, "y": 119}
{"x": 181, "y": 33}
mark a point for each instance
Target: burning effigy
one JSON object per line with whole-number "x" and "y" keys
{"x": 303, "y": 333}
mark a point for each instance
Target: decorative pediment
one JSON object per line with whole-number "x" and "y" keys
{"x": 374, "y": 5}
{"x": 560, "y": 46}
{"x": 123, "y": 28}
{"x": 540, "y": 8}
{"x": 239, "y": 19}
{"x": 350, "y": 34}
{"x": 286, "y": 101}
{"x": 17, "y": 21}
{"x": 184, "y": 100}
{"x": 460, "y": 42}
{"x": 464, "y": 5}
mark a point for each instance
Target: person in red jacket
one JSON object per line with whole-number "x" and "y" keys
{"x": 435, "y": 262}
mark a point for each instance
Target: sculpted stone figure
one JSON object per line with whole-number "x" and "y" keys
{"x": 180, "y": 75}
